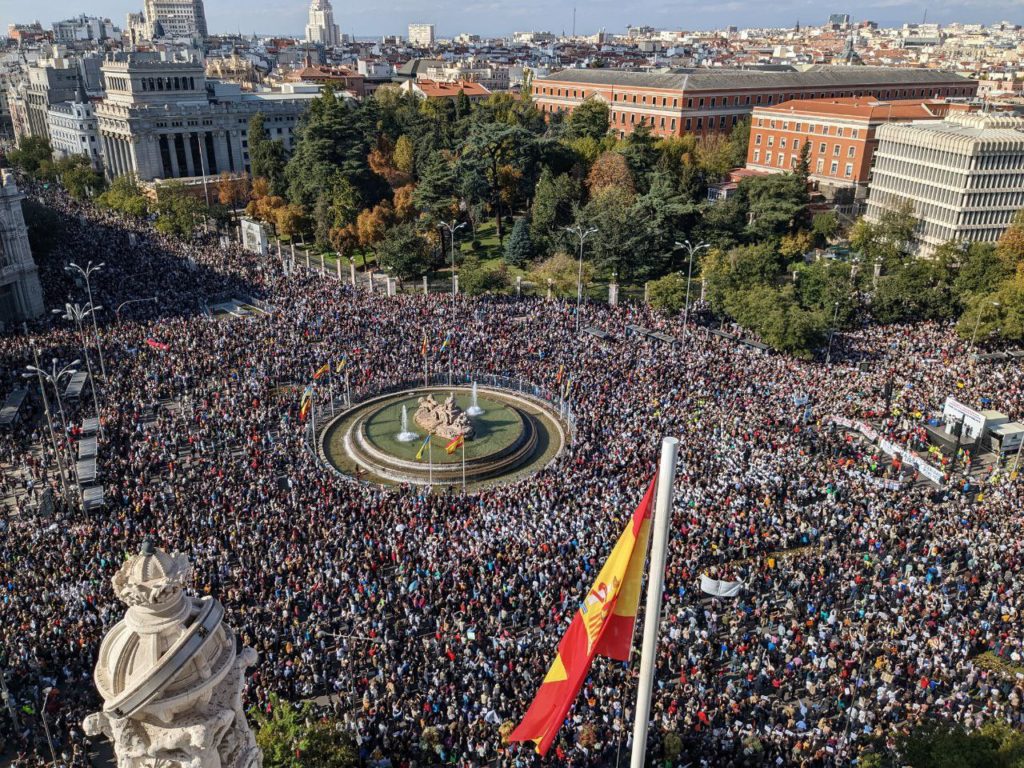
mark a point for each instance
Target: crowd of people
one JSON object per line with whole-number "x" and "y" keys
{"x": 429, "y": 619}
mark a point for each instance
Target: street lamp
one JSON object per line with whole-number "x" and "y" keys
{"x": 831, "y": 334}
{"x": 78, "y": 313}
{"x": 582, "y": 235}
{"x": 87, "y": 273}
{"x": 452, "y": 229}
{"x": 123, "y": 304}
{"x": 977, "y": 322}
{"x": 692, "y": 249}
{"x": 53, "y": 378}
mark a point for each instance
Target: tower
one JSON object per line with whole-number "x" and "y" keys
{"x": 169, "y": 675}
{"x": 321, "y": 27}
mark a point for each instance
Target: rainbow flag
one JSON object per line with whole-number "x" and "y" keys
{"x": 304, "y": 409}
{"x": 306, "y": 394}
{"x": 323, "y": 370}
{"x": 603, "y": 626}
{"x": 419, "y": 453}
{"x": 453, "y": 446}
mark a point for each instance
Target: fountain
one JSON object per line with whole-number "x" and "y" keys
{"x": 474, "y": 409}
{"x": 405, "y": 436}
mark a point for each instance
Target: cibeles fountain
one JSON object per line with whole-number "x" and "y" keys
{"x": 169, "y": 675}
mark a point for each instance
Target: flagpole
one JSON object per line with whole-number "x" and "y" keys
{"x": 430, "y": 462}
{"x": 655, "y": 584}
{"x": 330, "y": 382}
{"x": 463, "y": 466}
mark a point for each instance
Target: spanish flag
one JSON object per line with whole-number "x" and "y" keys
{"x": 603, "y": 626}
{"x": 304, "y": 409}
{"x": 561, "y": 372}
{"x": 453, "y": 446}
{"x": 323, "y": 370}
{"x": 423, "y": 350}
{"x": 426, "y": 442}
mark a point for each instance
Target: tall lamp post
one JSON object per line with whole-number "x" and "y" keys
{"x": 452, "y": 229}
{"x": 581, "y": 234}
{"x": 692, "y": 249}
{"x": 123, "y": 304}
{"x": 53, "y": 378}
{"x": 78, "y": 313}
{"x": 974, "y": 334}
{"x": 86, "y": 273}
{"x": 831, "y": 335}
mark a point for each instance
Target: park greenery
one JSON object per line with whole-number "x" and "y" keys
{"x": 383, "y": 182}
{"x": 294, "y": 735}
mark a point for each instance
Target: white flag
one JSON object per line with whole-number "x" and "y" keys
{"x": 720, "y": 588}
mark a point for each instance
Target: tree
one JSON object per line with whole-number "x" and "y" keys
{"x": 982, "y": 270}
{"x": 78, "y": 177}
{"x": 1010, "y": 247}
{"x": 794, "y": 246}
{"x": 290, "y": 220}
{"x": 610, "y": 169}
{"x": 475, "y": 278}
{"x": 489, "y": 147}
{"x": 563, "y": 270}
{"x": 403, "y": 202}
{"x": 588, "y": 120}
{"x": 519, "y": 248}
{"x": 553, "y": 201}
{"x": 371, "y": 226}
{"x": 337, "y": 206}
{"x": 776, "y": 205}
{"x": 404, "y": 251}
{"x": 266, "y": 156}
{"x": 177, "y": 211}
{"x": 824, "y": 227}
{"x": 34, "y": 156}
{"x": 937, "y": 745}
{"x": 436, "y": 193}
{"x": 125, "y": 196}
{"x": 887, "y": 241}
{"x": 641, "y": 155}
{"x": 668, "y": 294}
{"x": 778, "y": 319}
{"x": 293, "y": 737}
{"x": 919, "y": 289}
{"x": 404, "y": 155}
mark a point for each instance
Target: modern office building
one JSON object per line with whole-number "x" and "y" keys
{"x": 964, "y": 176}
{"x": 162, "y": 118}
{"x": 839, "y": 136}
{"x": 421, "y": 35}
{"x": 176, "y": 18}
{"x": 704, "y": 101}
{"x": 321, "y": 28}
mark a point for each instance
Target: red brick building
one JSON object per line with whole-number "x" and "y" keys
{"x": 714, "y": 100}
{"x": 839, "y": 134}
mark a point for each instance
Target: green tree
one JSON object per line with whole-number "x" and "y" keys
{"x": 177, "y": 211}
{"x": 776, "y": 204}
{"x": 78, "y": 177}
{"x": 824, "y": 227}
{"x": 436, "y": 193}
{"x": 588, "y": 120}
{"x": 778, "y": 319}
{"x": 936, "y": 745}
{"x": 266, "y": 156}
{"x": 887, "y": 241}
{"x": 668, "y": 293}
{"x": 1010, "y": 247}
{"x": 476, "y": 278}
{"x": 293, "y": 737}
{"x": 405, "y": 251}
{"x": 519, "y": 248}
{"x": 919, "y": 289}
{"x": 337, "y": 206}
{"x": 981, "y": 270}
{"x": 34, "y": 157}
{"x": 553, "y": 202}
{"x": 404, "y": 156}
{"x": 563, "y": 271}
{"x": 125, "y": 196}
{"x": 492, "y": 146}
{"x": 641, "y": 155}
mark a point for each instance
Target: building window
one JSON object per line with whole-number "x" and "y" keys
{"x": 771, "y": 141}
{"x": 782, "y": 142}
{"x": 687, "y": 125}
{"x": 757, "y": 139}
{"x": 835, "y": 150}
{"x": 757, "y": 155}
{"x": 849, "y": 170}
{"x": 822, "y": 148}
{"x": 767, "y": 158}
{"x": 834, "y": 169}
{"x": 851, "y": 152}
{"x": 819, "y": 166}
{"x": 782, "y": 160}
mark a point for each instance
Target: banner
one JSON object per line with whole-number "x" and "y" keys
{"x": 719, "y": 588}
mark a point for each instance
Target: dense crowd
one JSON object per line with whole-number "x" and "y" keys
{"x": 430, "y": 619}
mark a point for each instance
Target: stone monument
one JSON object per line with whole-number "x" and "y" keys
{"x": 169, "y": 675}
{"x": 443, "y": 419}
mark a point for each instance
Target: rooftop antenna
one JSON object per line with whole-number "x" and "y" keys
{"x": 574, "y": 21}
{"x": 925, "y": 19}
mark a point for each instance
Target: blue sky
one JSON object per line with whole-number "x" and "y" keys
{"x": 496, "y": 17}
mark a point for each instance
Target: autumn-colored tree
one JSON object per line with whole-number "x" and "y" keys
{"x": 510, "y": 179}
{"x": 795, "y": 245}
{"x": 610, "y": 170}
{"x": 382, "y": 162}
{"x": 404, "y": 208}
{"x": 1011, "y": 244}
{"x": 232, "y": 191}
{"x": 371, "y": 225}
{"x": 344, "y": 239}
{"x": 404, "y": 157}
{"x": 290, "y": 220}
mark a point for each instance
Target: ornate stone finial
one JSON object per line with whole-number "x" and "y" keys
{"x": 169, "y": 676}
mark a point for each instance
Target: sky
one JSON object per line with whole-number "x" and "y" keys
{"x": 501, "y": 17}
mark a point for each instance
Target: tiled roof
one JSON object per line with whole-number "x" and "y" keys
{"x": 822, "y": 75}
{"x": 862, "y": 107}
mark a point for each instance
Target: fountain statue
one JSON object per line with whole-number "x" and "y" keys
{"x": 444, "y": 420}
{"x": 405, "y": 436}
{"x": 169, "y": 675}
{"x": 474, "y": 408}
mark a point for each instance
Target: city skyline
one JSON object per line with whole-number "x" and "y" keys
{"x": 495, "y": 19}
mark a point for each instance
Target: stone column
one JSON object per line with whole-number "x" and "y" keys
{"x": 235, "y": 137}
{"x": 352, "y": 271}
{"x": 220, "y": 145}
{"x": 424, "y": 285}
{"x": 190, "y": 165}
{"x": 613, "y": 294}
{"x": 173, "y": 152}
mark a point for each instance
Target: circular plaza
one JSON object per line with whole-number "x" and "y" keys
{"x": 477, "y": 436}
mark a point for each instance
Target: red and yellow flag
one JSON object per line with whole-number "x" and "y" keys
{"x": 603, "y": 626}
{"x": 322, "y": 371}
{"x": 453, "y": 446}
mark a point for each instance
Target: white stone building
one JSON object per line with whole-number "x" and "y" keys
{"x": 421, "y": 35}
{"x": 83, "y": 28}
{"x": 176, "y": 18}
{"x": 162, "y": 119}
{"x": 964, "y": 176}
{"x": 21, "y": 297}
{"x": 74, "y": 130}
{"x": 321, "y": 28}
